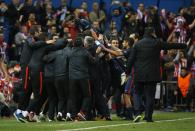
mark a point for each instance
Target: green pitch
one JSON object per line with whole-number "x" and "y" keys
{"x": 164, "y": 121}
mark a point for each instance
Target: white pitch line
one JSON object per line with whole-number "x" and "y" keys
{"x": 117, "y": 125}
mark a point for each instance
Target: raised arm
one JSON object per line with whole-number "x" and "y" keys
{"x": 191, "y": 50}
{"x": 167, "y": 46}
{"x": 59, "y": 44}
{"x": 49, "y": 57}
{"x": 37, "y": 44}
{"x": 192, "y": 25}
{"x": 113, "y": 52}
{"x": 171, "y": 36}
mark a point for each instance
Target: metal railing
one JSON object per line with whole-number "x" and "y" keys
{"x": 178, "y": 99}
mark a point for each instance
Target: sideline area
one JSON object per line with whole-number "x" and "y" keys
{"x": 174, "y": 121}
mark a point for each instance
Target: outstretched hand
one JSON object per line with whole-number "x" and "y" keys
{"x": 94, "y": 35}
{"x": 51, "y": 41}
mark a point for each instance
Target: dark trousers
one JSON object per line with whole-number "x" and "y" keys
{"x": 52, "y": 96}
{"x": 117, "y": 92}
{"x": 61, "y": 84}
{"x": 40, "y": 95}
{"x": 137, "y": 101}
{"x": 79, "y": 87}
{"x": 24, "y": 96}
{"x": 146, "y": 89}
{"x": 98, "y": 100}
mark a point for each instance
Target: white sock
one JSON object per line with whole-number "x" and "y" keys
{"x": 18, "y": 111}
{"x": 25, "y": 113}
{"x": 59, "y": 113}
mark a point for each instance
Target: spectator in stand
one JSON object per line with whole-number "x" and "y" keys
{"x": 40, "y": 12}
{"x": 163, "y": 29}
{"x": 49, "y": 16}
{"x": 98, "y": 15}
{"x": 3, "y": 8}
{"x": 111, "y": 31}
{"x": 20, "y": 40}
{"x": 52, "y": 32}
{"x": 180, "y": 26}
{"x": 117, "y": 13}
{"x": 31, "y": 21}
{"x": 182, "y": 29}
{"x": 96, "y": 27}
{"x": 4, "y": 92}
{"x": 70, "y": 24}
{"x": 141, "y": 11}
{"x": 168, "y": 71}
{"x": 62, "y": 12}
{"x": 127, "y": 6}
{"x": 132, "y": 24}
{"x": 26, "y": 10}
{"x": 12, "y": 16}
{"x": 3, "y": 74}
{"x": 83, "y": 11}
{"x": 173, "y": 37}
{"x": 3, "y": 47}
{"x": 65, "y": 33}
{"x": 184, "y": 79}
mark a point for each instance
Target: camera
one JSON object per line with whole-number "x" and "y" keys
{"x": 82, "y": 24}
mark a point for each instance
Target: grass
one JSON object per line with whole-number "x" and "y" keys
{"x": 178, "y": 124}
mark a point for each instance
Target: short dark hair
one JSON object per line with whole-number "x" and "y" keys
{"x": 136, "y": 36}
{"x": 149, "y": 30}
{"x": 130, "y": 41}
{"x": 113, "y": 38}
{"x": 78, "y": 42}
{"x": 42, "y": 36}
{"x": 33, "y": 30}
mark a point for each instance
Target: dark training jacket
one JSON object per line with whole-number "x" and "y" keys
{"x": 49, "y": 64}
{"x": 61, "y": 62}
{"x": 27, "y": 52}
{"x": 36, "y": 62}
{"x": 79, "y": 63}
